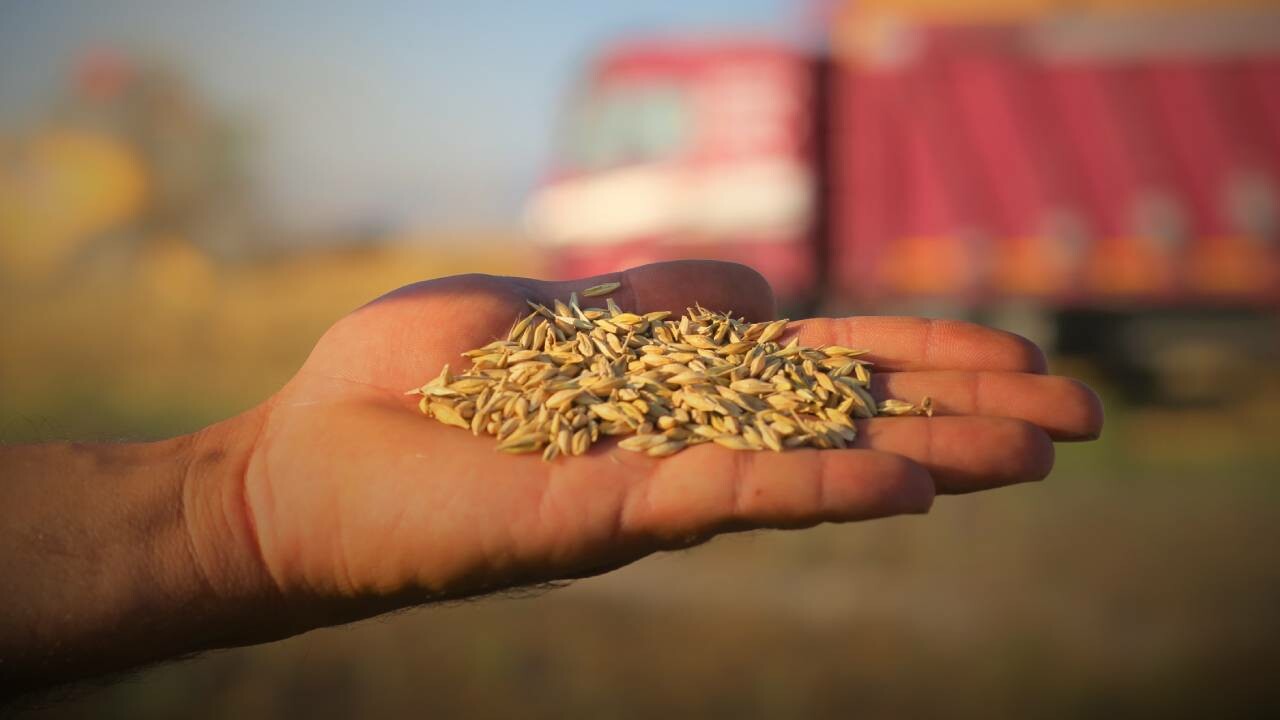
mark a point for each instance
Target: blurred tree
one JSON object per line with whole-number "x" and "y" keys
{"x": 131, "y": 157}
{"x": 58, "y": 190}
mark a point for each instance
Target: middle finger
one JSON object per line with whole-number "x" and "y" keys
{"x": 1065, "y": 408}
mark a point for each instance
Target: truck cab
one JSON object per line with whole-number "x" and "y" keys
{"x": 686, "y": 148}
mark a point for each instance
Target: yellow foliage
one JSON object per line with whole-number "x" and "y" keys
{"x": 176, "y": 272}
{"x": 181, "y": 337}
{"x": 59, "y": 189}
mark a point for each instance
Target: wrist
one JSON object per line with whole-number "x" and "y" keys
{"x": 246, "y": 601}
{"x": 223, "y": 548}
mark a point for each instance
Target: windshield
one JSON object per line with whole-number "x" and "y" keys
{"x": 627, "y": 124}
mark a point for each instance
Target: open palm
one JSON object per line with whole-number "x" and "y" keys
{"x": 354, "y": 494}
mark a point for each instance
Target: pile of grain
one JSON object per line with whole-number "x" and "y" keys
{"x": 566, "y": 376}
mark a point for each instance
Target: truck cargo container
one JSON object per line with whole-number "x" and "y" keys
{"x": 1105, "y": 176}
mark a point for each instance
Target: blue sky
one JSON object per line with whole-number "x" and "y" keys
{"x": 434, "y": 113}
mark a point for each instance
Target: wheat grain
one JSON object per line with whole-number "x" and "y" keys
{"x": 565, "y": 376}
{"x": 601, "y": 289}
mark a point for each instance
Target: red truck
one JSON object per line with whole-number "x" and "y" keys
{"x": 1118, "y": 174}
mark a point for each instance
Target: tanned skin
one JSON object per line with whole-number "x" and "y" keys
{"x": 335, "y": 500}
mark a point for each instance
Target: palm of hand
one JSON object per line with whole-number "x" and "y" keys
{"x": 354, "y": 494}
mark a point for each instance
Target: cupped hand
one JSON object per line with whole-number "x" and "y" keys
{"x": 352, "y": 495}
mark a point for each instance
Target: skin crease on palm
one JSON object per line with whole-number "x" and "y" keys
{"x": 351, "y": 493}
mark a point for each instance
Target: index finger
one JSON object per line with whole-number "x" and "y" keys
{"x": 674, "y": 286}
{"x": 912, "y": 343}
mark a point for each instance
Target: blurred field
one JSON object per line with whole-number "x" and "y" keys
{"x": 1141, "y": 579}
{"x": 170, "y": 340}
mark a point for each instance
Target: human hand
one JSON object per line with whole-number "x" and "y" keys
{"x": 356, "y": 504}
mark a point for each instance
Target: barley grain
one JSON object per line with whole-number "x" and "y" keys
{"x": 601, "y": 289}
{"x": 567, "y": 375}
